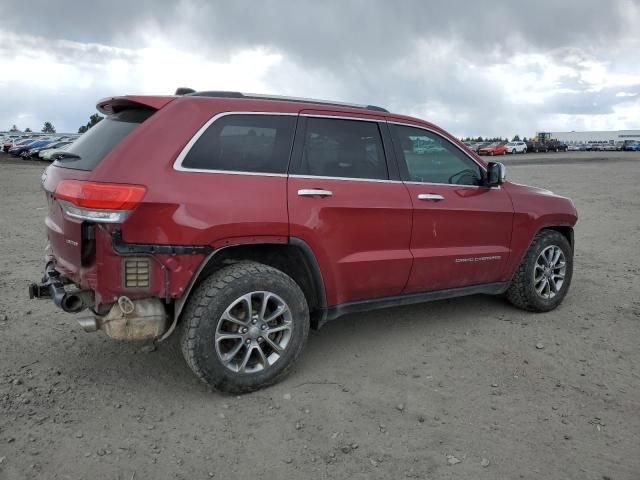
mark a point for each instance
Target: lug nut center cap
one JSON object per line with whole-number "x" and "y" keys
{"x": 254, "y": 332}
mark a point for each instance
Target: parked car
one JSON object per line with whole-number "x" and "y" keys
{"x": 241, "y": 221}
{"x": 35, "y": 152}
{"x": 51, "y": 152}
{"x": 573, "y": 148}
{"x": 19, "y": 147}
{"x": 632, "y": 147}
{"x": 516, "y": 147}
{"x": 609, "y": 147}
{"x": 555, "y": 146}
{"x": 12, "y": 142}
{"x": 496, "y": 148}
{"x": 25, "y": 151}
{"x": 536, "y": 147}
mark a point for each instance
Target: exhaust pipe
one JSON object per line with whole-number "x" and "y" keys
{"x": 72, "y": 303}
{"x": 88, "y": 324}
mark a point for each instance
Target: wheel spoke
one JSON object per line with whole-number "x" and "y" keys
{"x": 232, "y": 353}
{"x": 273, "y": 344}
{"x": 245, "y": 360}
{"x": 280, "y": 309}
{"x": 279, "y": 328}
{"x": 263, "y": 357}
{"x": 553, "y": 286}
{"x": 228, "y": 336}
{"x": 556, "y": 256}
{"x": 542, "y": 286}
{"x": 265, "y": 302}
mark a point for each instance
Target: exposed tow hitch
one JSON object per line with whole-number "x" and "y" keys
{"x": 53, "y": 288}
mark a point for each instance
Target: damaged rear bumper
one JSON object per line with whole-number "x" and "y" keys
{"x": 131, "y": 320}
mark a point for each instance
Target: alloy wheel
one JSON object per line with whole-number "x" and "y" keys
{"x": 253, "y": 332}
{"x": 549, "y": 272}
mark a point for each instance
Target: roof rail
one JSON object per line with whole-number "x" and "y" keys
{"x": 257, "y": 96}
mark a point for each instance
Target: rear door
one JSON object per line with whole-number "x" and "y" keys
{"x": 347, "y": 203}
{"x": 461, "y": 230}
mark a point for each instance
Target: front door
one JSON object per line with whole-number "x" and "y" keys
{"x": 461, "y": 229}
{"x": 344, "y": 203}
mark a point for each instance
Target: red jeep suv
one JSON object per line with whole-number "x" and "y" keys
{"x": 244, "y": 220}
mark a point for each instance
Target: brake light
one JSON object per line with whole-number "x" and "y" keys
{"x": 98, "y": 202}
{"x": 101, "y": 196}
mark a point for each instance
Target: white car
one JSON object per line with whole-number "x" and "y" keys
{"x": 516, "y": 147}
{"x": 47, "y": 154}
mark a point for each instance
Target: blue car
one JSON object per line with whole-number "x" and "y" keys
{"x": 19, "y": 150}
{"x": 19, "y": 147}
{"x": 632, "y": 147}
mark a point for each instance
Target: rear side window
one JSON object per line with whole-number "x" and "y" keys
{"x": 343, "y": 148}
{"x": 244, "y": 143}
{"x": 95, "y": 144}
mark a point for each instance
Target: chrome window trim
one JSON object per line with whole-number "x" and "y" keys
{"x": 177, "y": 165}
{"x": 455, "y": 185}
{"x": 342, "y": 117}
{"x": 344, "y": 178}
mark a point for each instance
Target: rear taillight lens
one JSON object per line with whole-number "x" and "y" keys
{"x": 98, "y": 202}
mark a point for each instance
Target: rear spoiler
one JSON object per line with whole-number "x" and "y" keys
{"x": 110, "y": 105}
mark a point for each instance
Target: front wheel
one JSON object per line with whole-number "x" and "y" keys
{"x": 544, "y": 276}
{"x": 244, "y": 327}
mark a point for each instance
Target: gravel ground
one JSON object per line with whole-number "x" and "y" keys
{"x": 468, "y": 388}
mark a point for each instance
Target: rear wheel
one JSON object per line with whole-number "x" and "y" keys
{"x": 244, "y": 327}
{"x": 544, "y": 276}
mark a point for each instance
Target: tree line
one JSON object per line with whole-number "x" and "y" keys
{"x": 516, "y": 138}
{"x": 49, "y": 128}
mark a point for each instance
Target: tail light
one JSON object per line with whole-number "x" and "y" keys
{"x": 99, "y": 202}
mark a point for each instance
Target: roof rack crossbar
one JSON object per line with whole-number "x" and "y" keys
{"x": 257, "y": 96}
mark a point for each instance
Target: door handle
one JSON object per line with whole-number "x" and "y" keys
{"x": 314, "y": 192}
{"x": 430, "y": 196}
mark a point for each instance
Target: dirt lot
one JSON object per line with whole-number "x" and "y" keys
{"x": 391, "y": 394}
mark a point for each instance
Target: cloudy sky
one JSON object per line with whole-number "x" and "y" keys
{"x": 494, "y": 67}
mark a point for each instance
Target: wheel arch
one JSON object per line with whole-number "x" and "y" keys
{"x": 564, "y": 230}
{"x": 294, "y": 258}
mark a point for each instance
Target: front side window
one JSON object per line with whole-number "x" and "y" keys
{"x": 343, "y": 148}
{"x": 244, "y": 143}
{"x": 429, "y": 158}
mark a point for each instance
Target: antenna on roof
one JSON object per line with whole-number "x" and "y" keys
{"x": 184, "y": 91}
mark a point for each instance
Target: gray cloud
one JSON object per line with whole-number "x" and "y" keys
{"x": 415, "y": 56}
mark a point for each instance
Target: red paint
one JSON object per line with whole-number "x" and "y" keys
{"x": 371, "y": 239}
{"x": 457, "y": 241}
{"x": 491, "y": 151}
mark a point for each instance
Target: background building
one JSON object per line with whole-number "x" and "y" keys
{"x": 611, "y": 136}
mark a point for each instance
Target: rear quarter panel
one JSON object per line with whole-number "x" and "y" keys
{"x": 192, "y": 208}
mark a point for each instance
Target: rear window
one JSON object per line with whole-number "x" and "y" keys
{"x": 95, "y": 144}
{"x": 244, "y": 143}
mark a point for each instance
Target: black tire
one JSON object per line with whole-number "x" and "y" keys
{"x": 522, "y": 292}
{"x": 205, "y": 308}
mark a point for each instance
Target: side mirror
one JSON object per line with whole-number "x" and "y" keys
{"x": 496, "y": 174}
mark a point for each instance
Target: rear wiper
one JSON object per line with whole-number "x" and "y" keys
{"x": 65, "y": 155}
